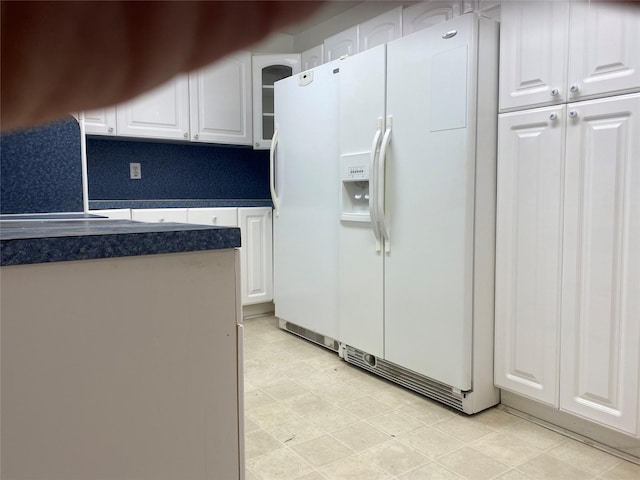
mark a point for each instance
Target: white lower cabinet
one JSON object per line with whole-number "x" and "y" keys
{"x": 114, "y": 213}
{"x": 256, "y": 254}
{"x": 159, "y": 215}
{"x": 528, "y": 252}
{"x": 600, "y": 331}
{"x": 568, "y": 259}
{"x": 224, "y": 217}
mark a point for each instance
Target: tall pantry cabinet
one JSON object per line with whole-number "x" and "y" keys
{"x": 568, "y": 211}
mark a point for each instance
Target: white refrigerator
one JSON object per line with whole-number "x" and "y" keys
{"x": 416, "y": 240}
{"x": 305, "y": 192}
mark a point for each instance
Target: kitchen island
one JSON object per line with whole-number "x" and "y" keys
{"x": 121, "y": 350}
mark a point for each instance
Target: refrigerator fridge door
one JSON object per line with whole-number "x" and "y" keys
{"x": 430, "y": 178}
{"x": 362, "y": 113}
{"x": 308, "y": 192}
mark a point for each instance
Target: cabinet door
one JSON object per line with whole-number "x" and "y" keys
{"x": 528, "y": 252}
{"x": 601, "y": 271}
{"x": 343, "y": 43}
{"x": 427, "y": 14}
{"x": 533, "y": 53}
{"x": 604, "y": 54}
{"x": 268, "y": 69}
{"x": 256, "y": 257}
{"x": 312, "y": 58}
{"x": 220, "y": 102}
{"x": 159, "y": 215}
{"x": 161, "y": 113}
{"x": 381, "y": 29}
{"x": 114, "y": 213}
{"x": 100, "y": 122}
{"x": 226, "y": 217}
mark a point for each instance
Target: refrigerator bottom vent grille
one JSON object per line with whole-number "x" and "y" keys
{"x": 407, "y": 378}
{"x": 310, "y": 335}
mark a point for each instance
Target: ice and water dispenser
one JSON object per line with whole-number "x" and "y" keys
{"x": 355, "y": 176}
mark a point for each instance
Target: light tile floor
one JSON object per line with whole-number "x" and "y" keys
{"x": 312, "y": 416}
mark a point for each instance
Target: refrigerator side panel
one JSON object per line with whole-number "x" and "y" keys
{"x": 430, "y": 203}
{"x": 362, "y": 90}
{"x": 306, "y": 226}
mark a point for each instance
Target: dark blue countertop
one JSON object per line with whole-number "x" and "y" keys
{"x": 38, "y": 240}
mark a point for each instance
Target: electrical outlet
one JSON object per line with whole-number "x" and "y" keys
{"x": 135, "y": 171}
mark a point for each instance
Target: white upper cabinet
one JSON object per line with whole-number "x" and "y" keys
{"x": 427, "y": 14}
{"x": 600, "y": 352}
{"x": 101, "y": 121}
{"x": 160, "y": 113}
{"x": 343, "y": 43}
{"x": 381, "y": 29}
{"x": 533, "y": 53}
{"x": 220, "y": 102}
{"x": 604, "y": 56}
{"x": 268, "y": 69}
{"x": 312, "y": 58}
{"x": 558, "y": 51}
{"x": 528, "y": 252}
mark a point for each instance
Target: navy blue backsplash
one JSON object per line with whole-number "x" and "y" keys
{"x": 41, "y": 169}
{"x": 175, "y": 172}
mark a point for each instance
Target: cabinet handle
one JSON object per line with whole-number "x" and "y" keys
{"x": 553, "y": 116}
{"x": 573, "y": 113}
{"x": 554, "y": 92}
{"x": 574, "y": 88}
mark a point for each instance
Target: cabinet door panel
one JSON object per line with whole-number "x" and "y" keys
{"x": 256, "y": 257}
{"x": 427, "y": 14}
{"x": 343, "y": 43}
{"x": 220, "y": 101}
{"x": 533, "y": 53}
{"x": 224, "y": 217}
{"x": 159, "y": 215}
{"x": 100, "y": 122}
{"x": 312, "y": 58}
{"x": 528, "y": 252}
{"x": 266, "y": 70}
{"x": 604, "y": 54}
{"x": 161, "y": 113}
{"x": 601, "y": 277}
{"x": 381, "y": 29}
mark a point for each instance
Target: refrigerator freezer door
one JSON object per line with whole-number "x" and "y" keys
{"x": 362, "y": 92}
{"x": 307, "y": 185}
{"x": 430, "y": 202}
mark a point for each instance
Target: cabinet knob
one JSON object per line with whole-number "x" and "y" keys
{"x": 257, "y": 144}
{"x": 553, "y": 116}
{"x": 161, "y": 220}
{"x": 574, "y": 88}
{"x": 573, "y": 113}
{"x": 186, "y": 135}
{"x": 110, "y": 129}
{"x": 195, "y": 136}
{"x": 214, "y": 220}
{"x": 554, "y": 92}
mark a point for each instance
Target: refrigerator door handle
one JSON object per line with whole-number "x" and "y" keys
{"x": 272, "y": 173}
{"x": 381, "y": 214}
{"x": 373, "y": 185}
